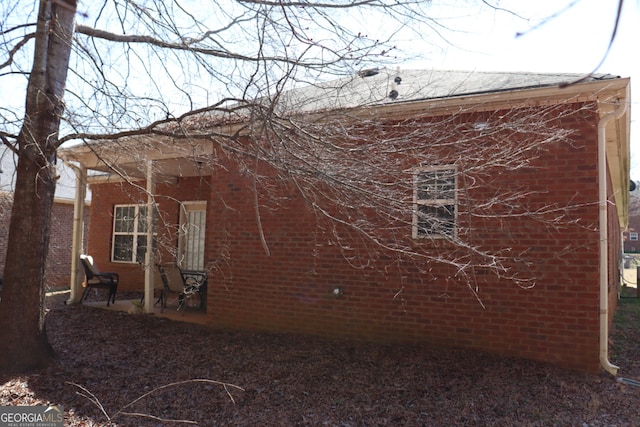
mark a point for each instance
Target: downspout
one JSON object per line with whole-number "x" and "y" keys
{"x": 604, "y": 238}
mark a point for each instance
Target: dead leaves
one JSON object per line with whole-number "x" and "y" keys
{"x": 140, "y": 371}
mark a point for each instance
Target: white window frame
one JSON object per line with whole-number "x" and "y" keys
{"x": 138, "y": 230}
{"x": 442, "y": 198}
{"x": 633, "y": 236}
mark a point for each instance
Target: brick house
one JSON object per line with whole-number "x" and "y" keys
{"x": 299, "y": 266}
{"x": 59, "y": 259}
{"x": 630, "y": 235}
{"x": 58, "y": 269}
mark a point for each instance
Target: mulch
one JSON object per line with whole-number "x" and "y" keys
{"x": 113, "y": 368}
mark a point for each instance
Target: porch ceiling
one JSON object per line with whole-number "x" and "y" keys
{"x": 129, "y": 158}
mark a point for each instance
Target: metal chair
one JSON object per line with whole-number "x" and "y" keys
{"x": 98, "y": 279}
{"x": 167, "y": 282}
{"x": 195, "y": 284}
{"x": 174, "y": 280}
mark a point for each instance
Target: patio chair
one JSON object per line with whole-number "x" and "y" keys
{"x": 98, "y": 279}
{"x": 167, "y": 282}
{"x": 174, "y": 280}
{"x": 195, "y": 284}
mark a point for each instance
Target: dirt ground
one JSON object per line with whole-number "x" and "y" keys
{"x": 136, "y": 370}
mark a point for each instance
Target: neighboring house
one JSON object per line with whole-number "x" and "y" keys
{"x": 274, "y": 262}
{"x": 630, "y": 236}
{"x": 59, "y": 259}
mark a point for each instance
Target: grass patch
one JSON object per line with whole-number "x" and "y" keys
{"x": 626, "y": 321}
{"x": 628, "y": 311}
{"x": 627, "y": 292}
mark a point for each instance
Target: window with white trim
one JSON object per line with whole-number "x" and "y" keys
{"x": 434, "y": 197}
{"x": 129, "y": 233}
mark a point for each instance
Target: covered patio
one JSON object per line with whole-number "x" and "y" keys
{"x": 190, "y": 314}
{"x": 144, "y": 163}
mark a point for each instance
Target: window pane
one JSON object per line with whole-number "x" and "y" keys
{"x": 141, "y": 248}
{"x": 196, "y": 221}
{"x": 438, "y": 220}
{"x": 122, "y": 248}
{"x": 436, "y": 184}
{"x": 130, "y": 229}
{"x": 142, "y": 219}
{"x": 125, "y": 216}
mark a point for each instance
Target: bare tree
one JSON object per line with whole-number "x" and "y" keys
{"x": 133, "y": 67}
{"x": 21, "y": 307}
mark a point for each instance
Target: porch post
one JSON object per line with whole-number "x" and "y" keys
{"x": 77, "y": 274}
{"x": 149, "y": 259}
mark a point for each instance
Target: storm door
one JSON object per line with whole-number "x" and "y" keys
{"x": 193, "y": 217}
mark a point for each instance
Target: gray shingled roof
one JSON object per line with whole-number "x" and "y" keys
{"x": 371, "y": 87}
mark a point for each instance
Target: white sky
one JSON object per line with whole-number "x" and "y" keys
{"x": 573, "y": 41}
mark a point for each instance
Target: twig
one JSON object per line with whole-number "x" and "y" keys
{"x": 93, "y": 399}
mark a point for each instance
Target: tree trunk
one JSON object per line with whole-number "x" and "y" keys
{"x": 22, "y": 327}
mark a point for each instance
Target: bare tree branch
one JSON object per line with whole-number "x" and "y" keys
{"x": 16, "y": 48}
{"x": 188, "y": 45}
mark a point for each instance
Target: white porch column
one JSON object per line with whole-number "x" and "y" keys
{"x": 77, "y": 273}
{"x": 149, "y": 259}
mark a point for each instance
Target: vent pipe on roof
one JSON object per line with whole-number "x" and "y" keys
{"x": 369, "y": 72}
{"x": 396, "y": 81}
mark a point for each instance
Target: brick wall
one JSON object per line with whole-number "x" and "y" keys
{"x": 633, "y": 246}
{"x": 104, "y": 199}
{"x": 5, "y": 217}
{"x": 59, "y": 259}
{"x": 391, "y": 299}
{"x": 291, "y": 289}
{"x": 58, "y": 269}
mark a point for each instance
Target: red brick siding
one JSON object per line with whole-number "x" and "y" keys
{"x": 5, "y": 218}
{"x": 59, "y": 259}
{"x": 290, "y": 290}
{"x": 58, "y": 269}
{"x": 391, "y": 300}
{"x": 632, "y": 246}
{"x": 106, "y": 196}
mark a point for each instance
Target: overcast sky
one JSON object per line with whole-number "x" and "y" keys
{"x": 556, "y": 38}
{"x": 574, "y": 41}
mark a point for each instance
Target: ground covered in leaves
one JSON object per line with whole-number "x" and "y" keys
{"x": 136, "y": 370}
